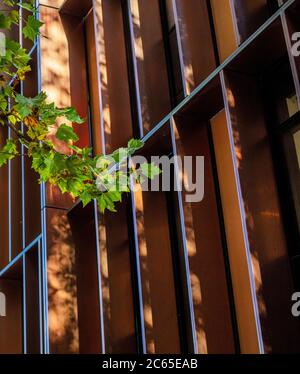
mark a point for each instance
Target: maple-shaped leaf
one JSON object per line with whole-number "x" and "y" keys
{"x": 32, "y": 28}
{"x": 66, "y": 134}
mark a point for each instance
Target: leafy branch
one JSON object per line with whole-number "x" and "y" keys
{"x": 32, "y": 120}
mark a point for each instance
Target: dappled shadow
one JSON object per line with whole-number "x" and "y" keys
{"x": 62, "y": 290}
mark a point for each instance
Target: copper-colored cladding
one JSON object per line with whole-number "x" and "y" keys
{"x": 161, "y": 324}
{"x": 32, "y": 302}
{"x": 224, "y": 28}
{"x": 151, "y": 61}
{"x": 156, "y": 260}
{"x": 196, "y": 39}
{"x": 237, "y": 252}
{"x": 83, "y": 229}
{"x": 64, "y": 76}
{"x": 112, "y": 67}
{"x": 94, "y": 86}
{"x": 74, "y": 305}
{"x": 11, "y": 325}
{"x": 204, "y": 240}
{"x": 73, "y": 282}
{"x": 116, "y": 279}
{"x": 62, "y": 287}
{"x": 263, "y": 215}
{"x": 250, "y": 15}
{"x": 73, "y": 28}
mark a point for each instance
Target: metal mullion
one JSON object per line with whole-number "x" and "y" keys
{"x": 180, "y": 49}
{"x": 9, "y": 202}
{"x": 103, "y": 347}
{"x": 19, "y": 256}
{"x": 98, "y": 77}
{"x": 133, "y": 77}
{"x": 43, "y": 255}
{"x": 45, "y": 282}
{"x": 24, "y": 306}
{"x": 136, "y": 275}
{"x": 40, "y": 285}
{"x": 22, "y": 129}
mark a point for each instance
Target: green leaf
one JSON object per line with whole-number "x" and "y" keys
{"x": 16, "y": 55}
{"x": 76, "y": 149}
{"x": 72, "y": 115}
{"x": 101, "y": 203}
{"x": 3, "y": 103}
{"x": 23, "y": 110}
{"x": 28, "y": 6}
{"x": 66, "y": 134}
{"x": 114, "y": 196}
{"x": 24, "y": 106}
{"x": 86, "y": 198}
{"x": 39, "y": 99}
{"x": 8, "y": 152}
{"x": 12, "y": 119}
{"x": 134, "y": 145}
{"x": 150, "y": 170}
{"x": 14, "y": 17}
{"x": 63, "y": 185}
{"x": 9, "y": 2}
{"x": 31, "y": 30}
{"x": 5, "y": 22}
{"x": 120, "y": 155}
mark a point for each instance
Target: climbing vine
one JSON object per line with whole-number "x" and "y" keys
{"x": 30, "y": 120}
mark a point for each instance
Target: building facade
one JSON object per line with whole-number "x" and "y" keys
{"x": 212, "y": 78}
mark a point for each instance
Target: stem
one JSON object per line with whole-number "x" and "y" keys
{"x": 20, "y": 135}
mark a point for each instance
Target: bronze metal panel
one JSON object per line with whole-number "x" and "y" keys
{"x": 112, "y": 67}
{"x": 250, "y": 15}
{"x": 62, "y": 287}
{"x": 32, "y": 302}
{"x": 119, "y": 324}
{"x": 241, "y": 271}
{"x": 94, "y": 85}
{"x": 73, "y": 29}
{"x": 205, "y": 247}
{"x": 261, "y": 53}
{"x": 266, "y": 237}
{"x": 78, "y": 8}
{"x": 225, "y": 29}
{"x": 151, "y": 62}
{"x": 161, "y": 323}
{"x": 196, "y": 39}
{"x": 64, "y": 78}
{"x": 82, "y": 221}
